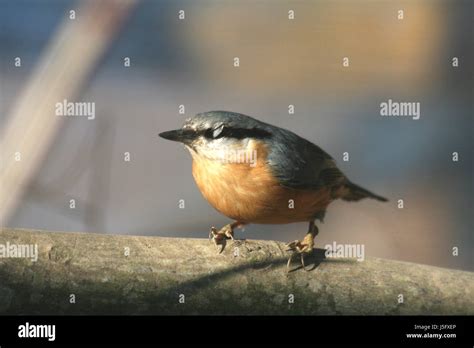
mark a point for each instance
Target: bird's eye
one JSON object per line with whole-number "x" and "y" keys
{"x": 218, "y": 132}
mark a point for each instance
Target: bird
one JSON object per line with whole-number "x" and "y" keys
{"x": 257, "y": 173}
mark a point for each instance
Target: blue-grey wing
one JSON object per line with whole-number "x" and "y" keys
{"x": 298, "y": 163}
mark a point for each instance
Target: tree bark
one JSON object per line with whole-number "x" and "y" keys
{"x": 83, "y": 273}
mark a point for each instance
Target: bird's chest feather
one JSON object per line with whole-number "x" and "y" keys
{"x": 238, "y": 190}
{"x": 251, "y": 194}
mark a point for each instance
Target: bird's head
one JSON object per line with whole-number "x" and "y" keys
{"x": 218, "y": 134}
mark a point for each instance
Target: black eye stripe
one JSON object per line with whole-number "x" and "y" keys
{"x": 237, "y": 133}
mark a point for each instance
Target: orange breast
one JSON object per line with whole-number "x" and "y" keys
{"x": 251, "y": 194}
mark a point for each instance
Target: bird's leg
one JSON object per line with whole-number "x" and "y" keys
{"x": 303, "y": 247}
{"x": 219, "y": 237}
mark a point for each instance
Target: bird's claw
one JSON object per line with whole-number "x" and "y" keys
{"x": 298, "y": 248}
{"x": 220, "y": 237}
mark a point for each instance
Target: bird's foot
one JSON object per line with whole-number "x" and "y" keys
{"x": 220, "y": 237}
{"x": 301, "y": 248}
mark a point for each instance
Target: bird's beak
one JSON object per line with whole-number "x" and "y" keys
{"x": 185, "y": 136}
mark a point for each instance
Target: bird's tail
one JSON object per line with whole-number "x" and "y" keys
{"x": 354, "y": 192}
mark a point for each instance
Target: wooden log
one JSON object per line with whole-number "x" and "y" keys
{"x": 114, "y": 274}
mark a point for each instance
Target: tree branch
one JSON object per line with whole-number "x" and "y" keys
{"x": 247, "y": 278}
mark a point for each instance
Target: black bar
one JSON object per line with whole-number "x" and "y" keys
{"x": 249, "y": 329}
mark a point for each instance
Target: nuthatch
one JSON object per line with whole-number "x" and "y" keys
{"x": 253, "y": 172}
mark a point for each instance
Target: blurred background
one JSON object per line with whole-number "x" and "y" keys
{"x": 189, "y": 62}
